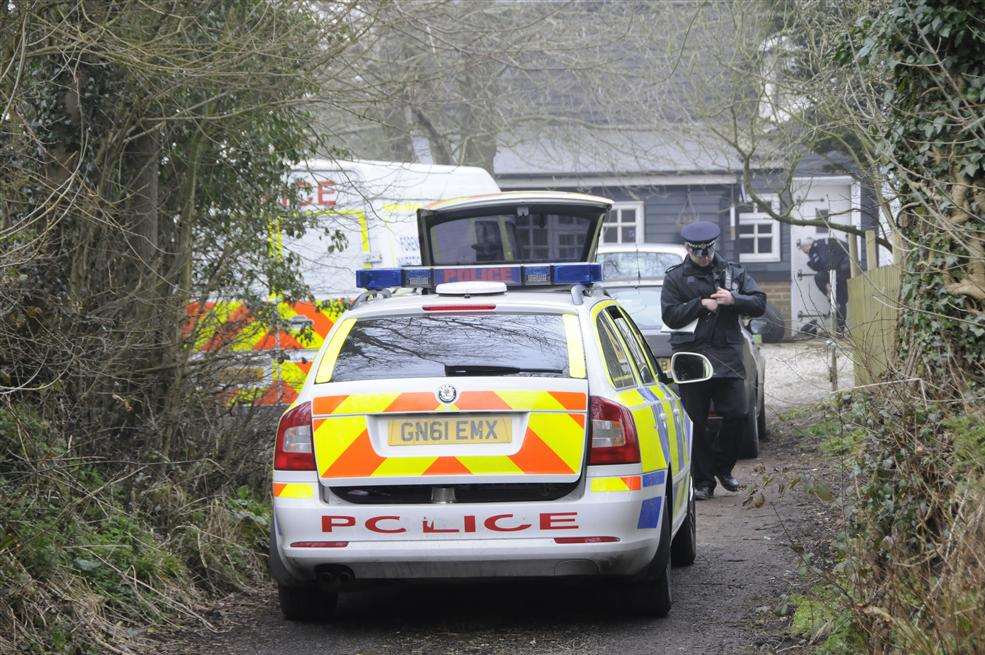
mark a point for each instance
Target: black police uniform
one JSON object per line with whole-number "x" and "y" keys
{"x": 718, "y": 337}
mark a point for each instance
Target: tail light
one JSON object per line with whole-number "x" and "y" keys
{"x": 294, "y": 450}
{"x": 613, "y": 433}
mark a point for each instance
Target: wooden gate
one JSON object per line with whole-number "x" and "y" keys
{"x": 873, "y": 307}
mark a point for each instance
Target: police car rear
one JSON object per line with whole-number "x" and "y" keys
{"x": 468, "y": 432}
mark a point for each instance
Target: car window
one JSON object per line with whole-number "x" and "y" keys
{"x": 420, "y": 346}
{"x": 507, "y": 238}
{"x": 642, "y": 303}
{"x": 636, "y": 265}
{"x": 643, "y": 363}
{"x": 616, "y": 360}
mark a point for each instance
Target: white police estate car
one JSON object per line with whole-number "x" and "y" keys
{"x": 504, "y": 420}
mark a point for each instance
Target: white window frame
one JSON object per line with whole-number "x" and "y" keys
{"x": 756, "y": 217}
{"x": 618, "y": 207}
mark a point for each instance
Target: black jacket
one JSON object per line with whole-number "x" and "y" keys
{"x": 717, "y": 334}
{"x": 828, "y": 255}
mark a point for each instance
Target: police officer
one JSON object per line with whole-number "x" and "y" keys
{"x": 824, "y": 256}
{"x": 715, "y": 293}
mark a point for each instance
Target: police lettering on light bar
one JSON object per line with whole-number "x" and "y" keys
{"x": 516, "y": 276}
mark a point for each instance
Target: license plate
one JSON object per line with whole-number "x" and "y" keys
{"x": 435, "y": 431}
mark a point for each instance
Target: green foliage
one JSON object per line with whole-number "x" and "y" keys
{"x": 822, "y": 618}
{"x": 910, "y": 557}
{"x": 930, "y": 53}
{"x": 87, "y": 556}
{"x": 143, "y": 165}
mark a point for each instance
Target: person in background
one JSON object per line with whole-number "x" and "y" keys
{"x": 824, "y": 256}
{"x": 712, "y": 293}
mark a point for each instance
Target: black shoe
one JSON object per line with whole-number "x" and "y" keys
{"x": 729, "y": 482}
{"x": 704, "y": 493}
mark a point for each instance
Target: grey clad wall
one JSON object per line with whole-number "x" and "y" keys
{"x": 667, "y": 208}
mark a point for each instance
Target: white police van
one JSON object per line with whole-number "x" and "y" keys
{"x": 489, "y": 414}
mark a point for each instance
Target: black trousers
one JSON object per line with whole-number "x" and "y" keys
{"x": 715, "y": 456}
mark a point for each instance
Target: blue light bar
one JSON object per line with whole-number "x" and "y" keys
{"x": 525, "y": 275}
{"x": 511, "y": 276}
{"x": 375, "y": 279}
{"x": 535, "y": 275}
{"x": 577, "y": 273}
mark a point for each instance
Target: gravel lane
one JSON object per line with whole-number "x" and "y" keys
{"x": 797, "y": 373}
{"x": 723, "y": 603}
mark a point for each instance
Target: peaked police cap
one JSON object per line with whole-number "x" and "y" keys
{"x": 700, "y": 232}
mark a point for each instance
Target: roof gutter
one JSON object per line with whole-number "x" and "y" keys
{"x": 539, "y": 180}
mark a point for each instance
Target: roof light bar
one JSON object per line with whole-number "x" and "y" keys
{"x": 518, "y": 275}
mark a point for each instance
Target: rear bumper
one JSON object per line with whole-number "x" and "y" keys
{"x": 480, "y": 540}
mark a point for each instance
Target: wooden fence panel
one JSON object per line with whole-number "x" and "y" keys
{"x": 873, "y": 307}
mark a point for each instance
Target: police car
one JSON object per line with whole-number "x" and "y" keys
{"x": 488, "y": 414}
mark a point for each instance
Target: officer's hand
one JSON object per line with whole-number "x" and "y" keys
{"x": 709, "y": 304}
{"x": 723, "y": 296}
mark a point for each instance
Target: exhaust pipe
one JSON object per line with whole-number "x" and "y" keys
{"x": 333, "y": 577}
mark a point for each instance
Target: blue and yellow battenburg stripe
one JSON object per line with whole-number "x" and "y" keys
{"x": 651, "y": 507}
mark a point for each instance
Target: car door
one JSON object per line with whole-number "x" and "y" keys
{"x": 672, "y": 422}
{"x": 634, "y": 392}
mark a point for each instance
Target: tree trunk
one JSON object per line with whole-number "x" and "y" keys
{"x": 143, "y": 161}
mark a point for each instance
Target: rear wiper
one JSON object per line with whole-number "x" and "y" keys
{"x": 494, "y": 369}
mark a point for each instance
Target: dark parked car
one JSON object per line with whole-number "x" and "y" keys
{"x": 642, "y": 300}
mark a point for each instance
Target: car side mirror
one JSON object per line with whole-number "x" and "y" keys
{"x": 686, "y": 368}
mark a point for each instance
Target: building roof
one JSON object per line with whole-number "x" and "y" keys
{"x": 614, "y": 152}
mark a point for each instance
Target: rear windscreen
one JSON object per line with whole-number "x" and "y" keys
{"x": 636, "y": 265}
{"x": 508, "y": 238}
{"x": 454, "y": 345}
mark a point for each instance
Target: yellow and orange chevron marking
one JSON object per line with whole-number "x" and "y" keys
{"x": 554, "y": 442}
{"x": 293, "y": 490}
{"x": 620, "y": 483}
{"x": 425, "y": 401}
{"x": 229, "y": 324}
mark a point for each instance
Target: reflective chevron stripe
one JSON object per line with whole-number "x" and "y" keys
{"x": 425, "y": 401}
{"x": 621, "y": 483}
{"x": 553, "y": 444}
{"x": 230, "y": 325}
{"x": 293, "y": 490}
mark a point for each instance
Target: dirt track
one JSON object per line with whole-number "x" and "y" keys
{"x": 724, "y": 603}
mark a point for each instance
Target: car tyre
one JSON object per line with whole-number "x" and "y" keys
{"x": 749, "y": 448}
{"x": 649, "y": 594}
{"x": 684, "y": 548}
{"x": 761, "y": 421}
{"x": 770, "y": 325}
{"x": 306, "y": 604}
